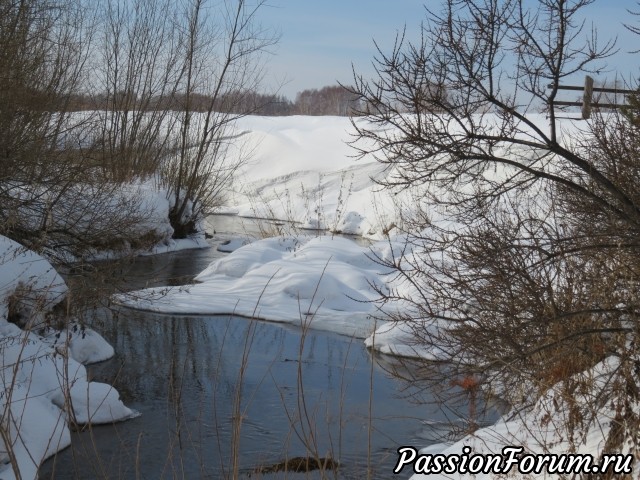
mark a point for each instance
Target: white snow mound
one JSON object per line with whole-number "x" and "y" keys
{"x": 43, "y": 382}
{"x": 322, "y": 282}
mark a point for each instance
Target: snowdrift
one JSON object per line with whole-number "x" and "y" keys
{"x": 44, "y": 382}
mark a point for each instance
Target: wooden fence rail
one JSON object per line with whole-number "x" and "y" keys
{"x": 587, "y": 97}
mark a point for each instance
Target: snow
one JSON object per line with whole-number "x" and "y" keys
{"x": 28, "y": 273}
{"x": 233, "y": 244}
{"x": 304, "y": 171}
{"x": 540, "y": 429}
{"x": 44, "y": 381}
{"x": 399, "y": 339}
{"x": 319, "y": 282}
{"x": 84, "y": 344}
{"x": 151, "y": 204}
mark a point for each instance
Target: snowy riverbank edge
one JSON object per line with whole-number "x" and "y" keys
{"x": 44, "y": 381}
{"x": 319, "y": 282}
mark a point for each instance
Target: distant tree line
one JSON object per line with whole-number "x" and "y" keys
{"x": 328, "y": 100}
{"x": 160, "y": 87}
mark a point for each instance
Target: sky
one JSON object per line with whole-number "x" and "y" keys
{"x": 320, "y": 40}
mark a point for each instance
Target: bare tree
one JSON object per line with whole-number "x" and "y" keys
{"x": 52, "y": 198}
{"x": 135, "y": 71}
{"x": 42, "y": 61}
{"x": 521, "y": 253}
{"x": 222, "y": 61}
{"x": 134, "y": 57}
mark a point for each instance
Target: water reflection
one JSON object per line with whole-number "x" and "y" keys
{"x": 211, "y": 389}
{"x": 297, "y": 393}
{"x": 261, "y": 227}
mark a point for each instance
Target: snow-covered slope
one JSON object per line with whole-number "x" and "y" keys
{"x": 302, "y": 169}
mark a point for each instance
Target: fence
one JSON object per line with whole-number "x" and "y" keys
{"x": 587, "y": 97}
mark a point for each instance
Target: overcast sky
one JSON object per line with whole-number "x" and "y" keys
{"x": 320, "y": 39}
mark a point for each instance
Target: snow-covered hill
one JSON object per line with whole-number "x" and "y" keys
{"x": 302, "y": 169}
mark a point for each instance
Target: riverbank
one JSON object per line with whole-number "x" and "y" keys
{"x": 45, "y": 386}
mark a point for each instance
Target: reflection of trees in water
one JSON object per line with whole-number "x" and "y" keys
{"x": 183, "y": 372}
{"x": 161, "y": 348}
{"x": 464, "y": 405}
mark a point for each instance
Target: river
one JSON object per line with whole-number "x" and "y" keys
{"x": 214, "y": 389}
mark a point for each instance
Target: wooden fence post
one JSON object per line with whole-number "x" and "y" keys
{"x": 587, "y": 97}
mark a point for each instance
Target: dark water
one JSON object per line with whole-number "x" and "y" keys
{"x": 198, "y": 381}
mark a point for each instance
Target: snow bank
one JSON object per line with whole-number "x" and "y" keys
{"x": 25, "y": 272}
{"x": 44, "y": 383}
{"x": 84, "y": 345}
{"x": 400, "y": 339}
{"x": 322, "y": 282}
{"x": 303, "y": 171}
{"x": 542, "y": 428}
{"x": 233, "y": 244}
{"x": 151, "y": 205}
